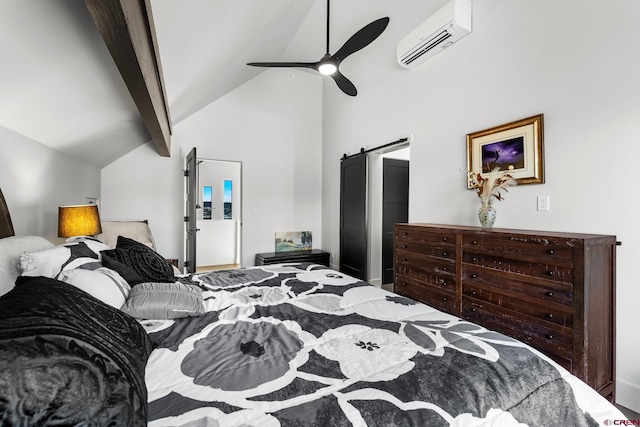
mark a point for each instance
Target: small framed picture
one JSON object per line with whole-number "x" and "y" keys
{"x": 516, "y": 147}
{"x": 293, "y": 241}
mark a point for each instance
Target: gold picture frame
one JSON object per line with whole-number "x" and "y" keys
{"x": 516, "y": 147}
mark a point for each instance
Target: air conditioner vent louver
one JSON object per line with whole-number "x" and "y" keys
{"x": 425, "y": 47}
{"x": 445, "y": 27}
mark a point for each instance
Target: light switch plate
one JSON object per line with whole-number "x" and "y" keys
{"x": 543, "y": 203}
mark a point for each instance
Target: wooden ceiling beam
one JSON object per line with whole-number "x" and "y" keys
{"x": 128, "y": 30}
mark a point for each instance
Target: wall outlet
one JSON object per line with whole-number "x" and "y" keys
{"x": 543, "y": 203}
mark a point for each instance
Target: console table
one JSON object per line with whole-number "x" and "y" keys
{"x": 315, "y": 255}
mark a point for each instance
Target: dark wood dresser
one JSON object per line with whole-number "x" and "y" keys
{"x": 554, "y": 291}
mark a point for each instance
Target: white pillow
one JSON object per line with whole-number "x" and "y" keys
{"x": 81, "y": 252}
{"x": 10, "y": 250}
{"x": 135, "y": 230}
{"x": 103, "y": 283}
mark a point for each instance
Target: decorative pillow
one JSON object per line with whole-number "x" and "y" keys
{"x": 102, "y": 283}
{"x": 164, "y": 301}
{"x": 66, "y": 358}
{"x": 126, "y": 272}
{"x": 10, "y": 250}
{"x": 146, "y": 262}
{"x": 78, "y": 253}
{"x": 136, "y": 230}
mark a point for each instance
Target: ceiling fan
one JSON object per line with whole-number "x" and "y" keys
{"x": 329, "y": 64}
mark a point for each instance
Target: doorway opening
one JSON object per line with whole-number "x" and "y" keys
{"x": 213, "y": 214}
{"x": 388, "y": 205}
{"x": 374, "y": 195}
{"x": 218, "y": 222}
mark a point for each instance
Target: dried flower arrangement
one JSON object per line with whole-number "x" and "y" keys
{"x": 489, "y": 187}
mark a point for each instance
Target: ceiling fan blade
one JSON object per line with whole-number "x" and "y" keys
{"x": 313, "y": 65}
{"x": 362, "y": 38}
{"x": 344, "y": 84}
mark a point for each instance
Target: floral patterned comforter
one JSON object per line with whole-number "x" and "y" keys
{"x": 302, "y": 345}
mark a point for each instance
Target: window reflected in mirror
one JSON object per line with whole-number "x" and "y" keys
{"x": 207, "y": 201}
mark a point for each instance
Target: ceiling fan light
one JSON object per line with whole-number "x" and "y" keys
{"x": 327, "y": 69}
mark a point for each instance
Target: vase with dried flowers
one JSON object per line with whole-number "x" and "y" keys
{"x": 489, "y": 188}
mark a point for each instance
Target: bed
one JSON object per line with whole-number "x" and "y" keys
{"x": 86, "y": 341}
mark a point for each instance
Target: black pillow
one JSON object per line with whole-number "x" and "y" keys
{"x": 127, "y": 273}
{"x": 66, "y": 358}
{"x": 146, "y": 262}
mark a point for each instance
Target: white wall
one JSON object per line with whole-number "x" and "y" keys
{"x": 273, "y": 125}
{"x": 36, "y": 179}
{"x": 576, "y": 62}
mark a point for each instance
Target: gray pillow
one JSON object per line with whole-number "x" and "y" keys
{"x": 164, "y": 301}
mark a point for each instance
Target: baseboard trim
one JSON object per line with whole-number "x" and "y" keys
{"x": 628, "y": 395}
{"x": 376, "y": 282}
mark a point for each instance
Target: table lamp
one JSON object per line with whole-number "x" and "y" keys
{"x": 78, "y": 220}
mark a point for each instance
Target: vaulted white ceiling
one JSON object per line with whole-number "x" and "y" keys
{"x": 60, "y": 86}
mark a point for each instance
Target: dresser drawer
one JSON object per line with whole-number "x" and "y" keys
{"x": 523, "y": 247}
{"x": 444, "y": 251}
{"x": 539, "y": 309}
{"x": 507, "y": 264}
{"x": 427, "y": 270}
{"x": 437, "y": 298}
{"x": 541, "y": 291}
{"x": 425, "y": 237}
{"x": 553, "y": 339}
{"x": 427, "y": 281}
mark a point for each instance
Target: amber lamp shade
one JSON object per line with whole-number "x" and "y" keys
{"x": 79, "y": 220}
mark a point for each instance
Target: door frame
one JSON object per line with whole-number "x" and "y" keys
{"x": 375, "y": 205}
{"x": 190, "y": 220}
{"x": 207, "y": 161}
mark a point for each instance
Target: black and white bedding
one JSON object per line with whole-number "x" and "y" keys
{"x": 284, "y": 345}
{"x": 68, "y": 359}
{"x": 302, "y": 345}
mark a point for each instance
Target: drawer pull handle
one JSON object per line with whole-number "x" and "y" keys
{"x": 445, "y": 269}
{"x": 549, "y": 273}
{"x": 404, "y": 233}
{"x": 445, "y": 253}
{"x": 474, "y": 242}
{"x": 444, "y": 239}
{"x": 473, "y": 309}
{"x": 444, "y": 298}
{"x": 473, "y": 276}
{"x": 473, "y": 293}
{"x": 549, "y": 294}
{"x": 403, "y": 246}
{"x": 404, "y": 259}
{"x": 549, "y": 336}
{"x": 474, "y": 259}
{"x": 550, "y": 252}
{"x": 549, "y": 316}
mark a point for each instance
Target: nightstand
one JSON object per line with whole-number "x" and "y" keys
{"x": 315, "y": 255}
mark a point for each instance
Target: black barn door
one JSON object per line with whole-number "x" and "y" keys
{"x": 190, "y": 218}
{"x": 395, "y": 208}
{"x": 353, "y": 216}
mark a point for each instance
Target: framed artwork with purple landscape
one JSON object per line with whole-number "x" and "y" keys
{"x": 516, "y": 147}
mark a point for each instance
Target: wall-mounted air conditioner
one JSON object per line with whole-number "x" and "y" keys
{"x": 442, "y": 29}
